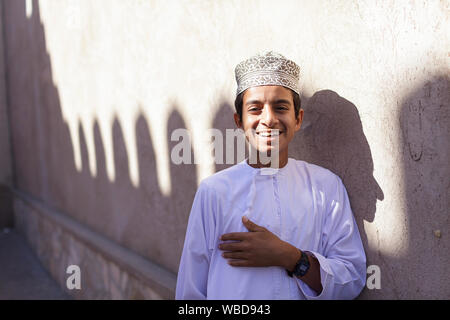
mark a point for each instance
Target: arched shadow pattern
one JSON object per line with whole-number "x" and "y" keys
{"x": 153, "y": 225}
{"x": 139, "y": 218}
{"x": 223, "y": 121}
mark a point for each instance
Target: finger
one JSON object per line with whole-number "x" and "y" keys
{"x": 233, "y": 246}
{"x": 239, "y": 263}
{"x": 251, "y": 226}
{"x": 237, "y": 255}
{"x": 239, "y": 236}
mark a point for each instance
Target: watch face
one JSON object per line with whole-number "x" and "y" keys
{"x": 303, "y": 266}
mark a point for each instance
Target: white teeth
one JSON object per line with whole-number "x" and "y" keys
{"x": 269, "y": 134}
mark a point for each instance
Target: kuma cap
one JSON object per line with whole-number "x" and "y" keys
{"x": 267, "y": 68}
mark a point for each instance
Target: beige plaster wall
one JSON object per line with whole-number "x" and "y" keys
{"x": 97, "y": 87}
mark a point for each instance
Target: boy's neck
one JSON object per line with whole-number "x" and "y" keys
{"x": 283, "y": 160}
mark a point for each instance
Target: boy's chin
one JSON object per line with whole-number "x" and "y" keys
{"x": 268, "y": 151}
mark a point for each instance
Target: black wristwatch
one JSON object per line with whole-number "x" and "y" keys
{"x": 302, "y": 266}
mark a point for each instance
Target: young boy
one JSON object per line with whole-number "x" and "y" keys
{"x": 261, "y": 233}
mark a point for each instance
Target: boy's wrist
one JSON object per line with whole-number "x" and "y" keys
{"x": 291, "y": 257}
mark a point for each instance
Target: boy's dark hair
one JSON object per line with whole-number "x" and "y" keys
{"x": 240, "y": 97}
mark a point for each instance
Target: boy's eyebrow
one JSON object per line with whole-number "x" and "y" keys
{"x": 252, "y": 102}
{"x": 279, "y": 101}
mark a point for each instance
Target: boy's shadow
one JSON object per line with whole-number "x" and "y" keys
{"x": 332, "y": 136}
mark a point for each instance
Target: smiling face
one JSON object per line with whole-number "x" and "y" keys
{"x": 268, "y": 119}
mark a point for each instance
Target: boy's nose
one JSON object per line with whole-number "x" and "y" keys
{"x": 268, "y": 116}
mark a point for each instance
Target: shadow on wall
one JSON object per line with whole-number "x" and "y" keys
{"x": 332, "y": 137}
{"x": 141, "y": 219}
{"x": 425, "y": 138}
{"x": 223, "y": 120}
{"x": 153, "y": 225}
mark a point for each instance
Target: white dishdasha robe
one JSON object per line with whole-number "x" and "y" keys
{"x": 303, "y": 204}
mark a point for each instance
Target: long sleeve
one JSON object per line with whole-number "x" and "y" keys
{"x": 342, "y": 258}
{"x": 199, "y": 242}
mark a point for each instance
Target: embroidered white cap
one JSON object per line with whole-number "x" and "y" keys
{"x": 268, "y": 68}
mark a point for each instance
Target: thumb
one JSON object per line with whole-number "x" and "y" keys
{"x": 251, "y": 226}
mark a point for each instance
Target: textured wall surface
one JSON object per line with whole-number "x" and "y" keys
{"x": 95, "y": 91}
{"x": 107, "y": 271}
{"x": 6, "y": 176}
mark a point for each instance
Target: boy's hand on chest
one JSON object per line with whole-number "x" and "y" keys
{"x": 257, "y": 248}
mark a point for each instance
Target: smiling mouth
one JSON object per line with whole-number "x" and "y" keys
{"x": 269, "y": 134}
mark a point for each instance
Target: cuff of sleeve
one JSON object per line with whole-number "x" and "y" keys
{"x": 325, "y": 276}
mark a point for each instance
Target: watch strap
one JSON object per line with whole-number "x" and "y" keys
{"x": 302, "y": 266}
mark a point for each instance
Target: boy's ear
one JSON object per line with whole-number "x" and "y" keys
{"x": 299, "y": 120}
{"x": 237, "y": 120}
